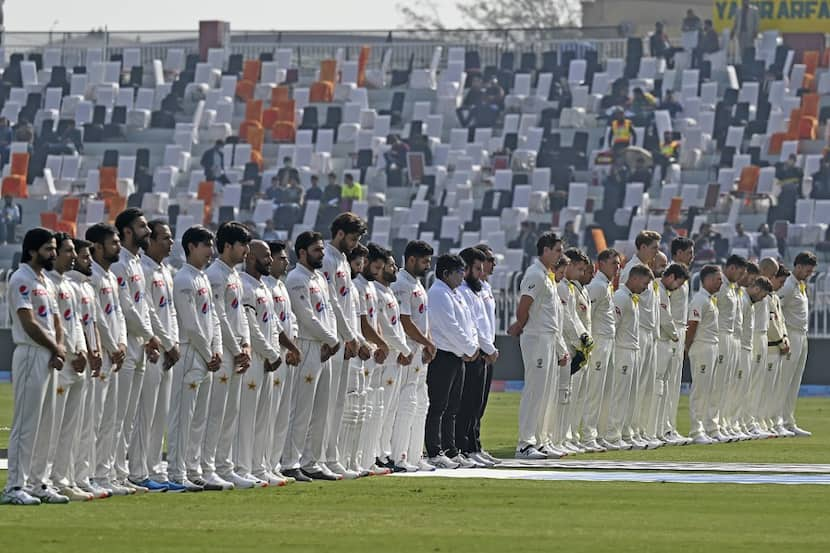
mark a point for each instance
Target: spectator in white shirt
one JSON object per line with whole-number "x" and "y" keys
{"x": 457, "y": 343}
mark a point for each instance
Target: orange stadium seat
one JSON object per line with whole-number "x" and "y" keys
{"x": 776, "y": 141}
{"x": 600, "y": 242}
{"x": 328, "y": 71}
{"x": 362, "y": 62}
{"x": 245, "y": 90}
{"x": 256, "y": 157}
{"x": 673, "y": 214}
{"x": 283, "y": 131}
{"x": 287, "y": 111}
{"x": 811, "y": 59}
{"x": 20, "y": 165}
{"x": 280, "y": 94}
{"x": 810, "y": 104}
{"x": 253, "y": 110}
{"x": 71, "y": 209}
{"x": 250, "y": 70}
{"x": 808, "y": 128}
{"x": 269, "y": 117}
{"x": 748, "y": 181}
{"x": 256, "y": 138}
{"x": 246, "y": 126}
{"x": 15, "y": 186}
{"x": 49, "y": 219}
{"x": 321, "y": 92}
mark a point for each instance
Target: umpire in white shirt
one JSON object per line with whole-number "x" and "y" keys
{"x": 456, "y": 339}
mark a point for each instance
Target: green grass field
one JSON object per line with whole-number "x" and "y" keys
{"x": 435, "y": 514}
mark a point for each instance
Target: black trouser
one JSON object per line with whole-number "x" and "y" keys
{"x": 475, "y": 378}
{"x": 488, "y": 381}
{"x": 445, "y": 381}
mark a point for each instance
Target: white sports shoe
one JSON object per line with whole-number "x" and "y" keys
{"x": 654, "y": 443}
{"x": 620, "y": 445}
{"x": 340, "y": 470}
{"x": 258, "y": 483}
{"x": 96, "y": 491}
{"x": 464, "y": 462}
{"x": 550, "y": 451}
{"x": 719, "y": 436}
{"x": 592, "y": 446}
{"x": 425, "y": 466}
{"x": 18, "y": 497}
{"x": 783, "y": 432}
{"x": 135, "y": 487}
{"x": 214, "y": 480}
{"x": 238, "y": 482}
{"x": 48, "y": 495}
{"x": 328, "y": 472}
{"x": 403, "y": 466}
{"x": 486, "y": 455}
{"x": 702, "y": 439}
{"x": 114, "y": 489}
{"x": 570, "y": 447}
{"x": 481, "y": 460}
{"x": 76, "y": 494}
{"x": 377, "y": 470}
{"x": 443, "y": 462}
{"x": 636, "y": 443}
{"x": 609, "y": 446}
{"x": 530, "y": 453}
{"x": 799, "y": 432}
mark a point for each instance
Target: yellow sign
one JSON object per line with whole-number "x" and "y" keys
{"x": 786, "y": 16}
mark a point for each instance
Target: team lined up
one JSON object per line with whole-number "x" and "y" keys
{"x": 603, "y": 361}
{"x": 256, "y": 377}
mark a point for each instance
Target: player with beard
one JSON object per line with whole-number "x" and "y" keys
{"x": 142, "y": 345}
{"x": 155, "y": 394}
{"x": 38, "y": 340}
{"x": 83, "y": 443}
{"x": 66, "y": 417}
{"x": 389, "y": 315}
{"x": 472, "y": 394}
{"x": 318, "y": 342}
{"x": 253, "y": 448}
{"x": 284, "y": 379}
{"x": 346, "y": 231}
{"x": 371, "y": 408}
{"x": 106, "y": 249}
{"x": 408, "y": 432}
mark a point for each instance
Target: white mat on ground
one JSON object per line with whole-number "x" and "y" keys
{"x": 664, "y": 465}
{"x": 615, "y": 476}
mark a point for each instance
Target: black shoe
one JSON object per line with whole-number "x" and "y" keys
{"x": 319, "y": 475}
{"x": 206, "y": 486}
{"x": 296, "y": 474}
{"x": 385, "y": 464}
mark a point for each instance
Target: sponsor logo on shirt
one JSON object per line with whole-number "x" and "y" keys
{"x": 371, "y": 312}
{"x": 313, "y": 290}
{"x": 422, "y": 308}
{"x": 265, "y": 317}
{"x": 85, "y": 319}
{"x": 24, "y": 291}
{"x": 63, "y": 295}
{"x": 135, "y": 278}
{"x": 205, "y": 308}
{"x": 85, "y": 300}
{"x": 67, "y": 315}
{"x": 162, "y": 302}
{"x": 105, "y": 291}
{"x": 344, "y": 291}
{"x": 393, "y": 320}
{"x": 42, "y": 311}
{"x": 282, "y": 315}
{"x": 695, "y": 312}
{"x": 235, "y": 303}
{"x": 137, "y": 297}
{"x": 121, "y": 282}
{"x": 158, "y": 283}
{"x": 108, "y": 309}
{"x": 390, "y": 305}
{"x": 202, "y": 291}
{"x": 320, "y": 307}
{"x": 326, "y": 274}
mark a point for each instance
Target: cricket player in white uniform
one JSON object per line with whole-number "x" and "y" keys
{"x": 346, "y": 231}
{"x": 253, "y": 446}
{"x": 702, "y": 348}
{"x": 643, "y": 385}
{"x": 408, "y": 433}
{"x": 220, "y": 462}
{"x": 668, "y": 347}
{"x": 475, "y": 377}
{"x": 318, "y": 343}
{"x": 400, "y": 355}
{"x": 538, "y": 323}
{"x": 603, "y": 326}
{"x": 728, "y": 344}
{"x": 759, "y": 373}
{"x": 794, "y": 304}
{"x": 39, "y": 350}
{"x": 106, "y": 248}
{"x": 755, "y": 289}
{"x": 581, "y": 378}
{"x": 371, "y": 411}
{"x": 284, "y": 375}
{"x": 83, "y": 447}
{"x": 142, "y": 345}
{"x": 626, "y": 357}
{"x": 155, "y": 394}
{"x": 201, "y": 355}
{"x": 71, "y": 383}
{"x": 683, "y": 252}
{"x": 778, "y": 347}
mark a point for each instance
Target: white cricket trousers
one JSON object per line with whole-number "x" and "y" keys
{"x": 597, "y": 370}
{"x": 770, "y": 398}
{"x": 189, "y": 395}
{"x": 337, "y": 404}
{"x": 644, "y": 397}
{"x": 105, "y": 391}
{"x": 724, "y": 372}
{"x": 371, "y": 415}
{"x": 66, "y": 428}
{"x": 739, "y": 392}
{"x": 416, "y": 437}
{"x": 392, "y": 377}
{"x": 576, "y": 403}
{"x": 31, "y": 376}
{"x": 222, "y": 418}
{"x": 252, "y": 445}
{"x": 621, "y": 381}
{"x": 305, "y": 404}
{"x": 145, "y": 445}
{"x": 792, "y": 370}
{"x": 84, "y": 452}
{"x": 130, "y": 381}
{"x": 540, "y": 376}
{"x": 284, "y": 381}
{"x": 703, "y": 358}
{"x": 354, "y": 404}
{"x": 665, "y": 361}
{"x": 757, "y": 377}
{"x": 403, "y": 426}
{"x": 674, "y": 381}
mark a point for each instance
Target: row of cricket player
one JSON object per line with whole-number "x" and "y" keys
{"x": 603, "y": 349}
{"x": 256, "y": 377}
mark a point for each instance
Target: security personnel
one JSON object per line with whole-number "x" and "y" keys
{"x": 219, "y": 454}
{"x": 201, "y": 354}
{"x": 318, "y": 343}
{"x": 796, "y": 312}
{"x": 539, "y": 325}
{"x": 626, "y": 351}
{"x": 621, "y": 135}
{"x": 702, "y": 349}
{"x": 601, "y": 294}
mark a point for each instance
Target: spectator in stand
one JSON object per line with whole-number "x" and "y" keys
{"x": 473, "y": 98}
{"x": 667, "y": 236}
{"x": 643, "y": 105}
{"x": 670, "y": 104}
{"x": 790, "y": 177}
{"x": 526, "y": 241}
{"x": 705, "y": 244}
{"x": 821, "y": 181}
{"x": 6, "y": 139}
{"x": 651, "y": 140}
{"x": 420, "y": 144}
{"x": 709, "y": 39}
{"x": 395, "y": 156}
{"x": 494, "y": 95}
{"x": 766, "y": 240}
{"x": 691, "y": 22}
{"x": 669, "y": 152}
{"x": 621, "y": 133}
{"x": 660, "y": 45}
{"x": 642, "y": 173}
{"x": 741, "y": 240}
{"x": 333, "y": 192}
{"x": 745, "y": 29}
{"x": 10, "y": 217}
{"x": 314, "y": 192}
{"x": 275, "y": 192}
{"x": 618, "y": 98}
{"x": 71, "y": 140}
{"x": 352, "y": 192}
{"x": 569, "y": 237}
{"x": 213, "y": 163}
{"x": 293, "y": 192}
{"x": 271, "y": 232}
{"x": 24, "y": 132}
{"x": 287, "y": 171}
